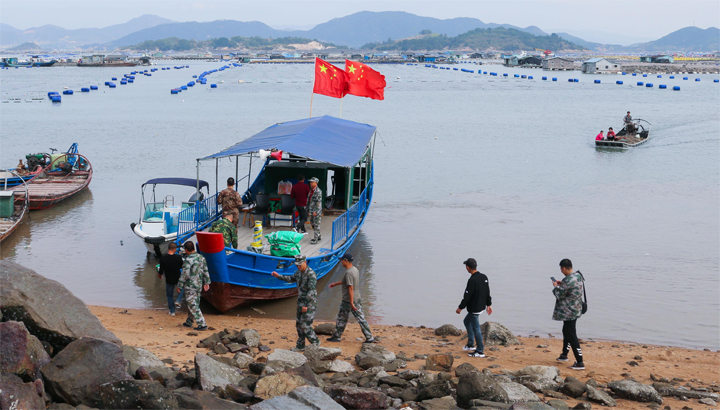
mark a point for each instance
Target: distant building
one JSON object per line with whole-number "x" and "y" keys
{"x": 356, "y": 57}
{"x": 476, "y": 55}
{"x": 599, "y": 66}
{"x": 244, "y": 58}
{"x": 158, "y": 55}
{"x": 522, "y": 61}
{"x": 427, "y": 58}
{"x": 558, "y": 63}
{"x": 116, "y": 57}
{"x": 657, "y": 59}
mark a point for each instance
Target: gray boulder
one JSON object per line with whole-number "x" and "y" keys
{"x": 14, "y": 394}
{"x": 211, "y": 373}
{"x": 240, "y": 394}
{"x": 278, "y": 384}
{"x": 600, "y": 396}
{"x": 321, "y": 358}
{"x": 188, "y": 398}
{"x": 50, "y": 311}
{"x": 325, "y": 329}
{"x": 138, "y": 357}
{"x": 133, "y": 394}
{"x": 21, "y": 353}
{"x": 242, "y": 360}
{"x": 537, "y": 378}
{"x": 447, "y": 330}
{"x": 465, "y": 368}
{"x": 302, "y": 398}
{"x": 434, "y": 391}
{"x": 495, "y": 334}
{"x": 356, "y": 397}
{"x": 292, "y": 359}
{"x": 632, "y": 390}
{"x": 517, "y": 393}
{"x": 372, "y": 355}
{"x": 557, "y": 404}
{"x": 442, "y": 403}
{"x": 249, "y": 337}
{"x": 476, "y": 385}
{"x": 573, "y": 387}
{"x": 341, "y": 366}
{"x": 531, "y": 406}
{"x": 75, "y": 373}
{"x": 274, "y": 366}
{"x": 440, "y": 362}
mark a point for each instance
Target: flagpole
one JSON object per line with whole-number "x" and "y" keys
{"x": 311, "y": 99}
{"x": 341, "y": 100}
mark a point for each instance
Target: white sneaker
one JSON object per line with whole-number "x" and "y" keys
{"x": 476, "y": 354}
{"x": 469, "y": 348}
{"x": 178, "y": 305}
{"x": 171, "y": 313}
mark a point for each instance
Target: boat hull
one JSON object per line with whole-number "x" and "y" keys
{"x": 35, "y": 64}
{"x": 40, "y": 201}
{"x": 154, "y": 244}
{"x": 226, "y": 296}
{"x": 107, "y": 65}
{"x": 8, "y": 226}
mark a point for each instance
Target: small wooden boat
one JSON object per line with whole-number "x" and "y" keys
{"x": 625, "y": 138}
{"x": 12, "y": 178}
{"x": 66, "y": 175}
{"x": 13, "y": 208}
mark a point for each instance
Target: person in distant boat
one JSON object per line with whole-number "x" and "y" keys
{"x": 350, "y": 302}
{"x": 628, "y": 123}
{"x": 300, "y": 192}
{"x": 21, "y": 168}
{"x": 477, "y": 300}
{"x": 228, "y": 230}
{"x": 194, "y": 279}
{"x": 611, "y": 135}
{"x": 170, "y": 265}
{"x": 599, "y": 137}
{"x": 315, "y": 209}
{"x": 306, "y": 280}
{"x": 230, "y": 200}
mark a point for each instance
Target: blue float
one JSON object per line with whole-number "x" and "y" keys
{"x": 123, "y": 82}
{"x": 131, "y": 80}
{"x": 505, "y": 75}
{"x": 649, "y": 85}
{"x": 107, "y": 82}
{"x": 672, "y": 76}
{"x": 112, "y": 85}
{"x": 624, "y": 73}
{"x": 516, "y": 75}
{"x": 523, "y": 76}
{"x": 93, "y": 87}
{"x": 213, "y": 85}
{"x": 640, "y": 83}
{"x": 685, "y": 78}
{"x": 190, "y": 84}
{"x": 85, "y": 90}
{"x": 618, "y": 82}
{"x": 194, "y": 76}
{"x": 576, "y": 80}
{"x": 662, "y": 86}
{"x": 634, "y": 74}
{"x": 554, "y": 79}
{"x": 183, "y": 87}
{"x": 484, "y": 72}
{"x": 544, "y": 78}
{"x": 697, "y": 79}
{"x": 716, "y": 81}
{"x": 530, "y": 77}
{"x": 676, "y": 88}
{"x": 659, "y": 76}
{"x": 597, "y": 81}
{"x": 68, "y": 92}
{"x": 174, "y": 91}
{"x": 114, "y": 78}
{"x": 644, "y": 75}
{"x": 55, "y": 98}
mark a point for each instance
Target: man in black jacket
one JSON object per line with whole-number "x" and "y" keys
{"x": 476, "y": 299}
{"x": 170, "y": 265}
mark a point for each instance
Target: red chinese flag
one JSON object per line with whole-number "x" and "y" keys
{"x": 330, "y": 80}
{"x": 364, "y": 81}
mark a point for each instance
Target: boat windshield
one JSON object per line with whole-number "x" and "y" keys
{"x": 153, "y": 212}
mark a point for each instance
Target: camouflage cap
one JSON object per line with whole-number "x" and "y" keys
{"x": 299, "y": 259}
{"x": 315, "y": 180}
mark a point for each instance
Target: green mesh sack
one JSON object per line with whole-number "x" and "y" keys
{"x": 286, "y": 250}
{"x": 287, "y": 237}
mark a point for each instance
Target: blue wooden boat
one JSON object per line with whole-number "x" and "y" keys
{"x": 10, "y": 178}
{"x": 340, "y": 154}
{"x": 14, "y": 62}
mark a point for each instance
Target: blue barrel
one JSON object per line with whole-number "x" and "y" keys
{"x": 85, "y": 90}
{"x": 523, "y": 76}
{"x": 194, "y": 76}
{"x": 148, "y": 74}
{"x": 68, "y": 92}
{"x": 634, "y": 74}
{"x": 131, "y": 80}
{"x": 618, "y": 82}
{"x": 183, "y": 87}
{"x": 516, "y": 75}
{"x": 93, "y": 87}
{"x": 107, "y": 82}
{"x": 133, "y": 72}
{"x": 544, "y": 78}
{"x": 114, "y": 78}
{"x": 624, "y": 73}
{"x": 685, "y": 78}
{"x": 716, "y": 81}
{"x": 55, "y": 98}
{"x": 455, "y": 68}
{"x": 697, "y": 79}
{"x": 672, "y": 76}
{"x": 530, "y": 77}
{"x": 123, "y": 82}
{"x": 112, "y": 85}
{"x": 576, "y": 80}
{"x": 174, "y": 91}
{"x": 505, "y": 75}
{"x": 213, "y": 85}
{"x": 51, "y": 93}
{"x": 570, "y": 80}
{"x": 676, "y": 88}
{"x": 659, "y": 76}
{"x": 662, "y": 86}
{"x": 597, "y": 81}
{"x": 644, "y": 75}
{"x": 640, "y": 83}
{"x": 554, "y": 79}
{"x": 472, "y": 71}
{"x": 484, "y": 72}
{"x": 649, "y": 85}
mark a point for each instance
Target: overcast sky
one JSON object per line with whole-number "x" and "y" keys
{"x": 589, "y": 19}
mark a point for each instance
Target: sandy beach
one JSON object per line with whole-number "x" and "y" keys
{"x": 605, "y": 361}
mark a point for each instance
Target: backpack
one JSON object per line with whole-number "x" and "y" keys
{"x": 584, "y": 303}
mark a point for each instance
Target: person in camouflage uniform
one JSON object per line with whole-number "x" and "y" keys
{"x": 314, "y": 208}
{"x": 230, "y": 201}
{"x": 568, "y": 309}
{"x": 306, "y": 280}
{"x": 350, "y": 302}
{"x": 194, "y": 278}
{"x": 229, "y": 231}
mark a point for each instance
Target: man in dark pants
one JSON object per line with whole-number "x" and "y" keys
{"x": 568, "y": 308}
{"x": 300, "y": 191}
{"x": 476, "y": 299}
{"x": 350, "y": 301}
{"x": 170, "y": 266}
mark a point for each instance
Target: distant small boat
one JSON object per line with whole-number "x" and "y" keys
{"x": 13, "y": 62}
{"x": 12, "y": 178}
{"x": 13, "y": 208}
{"x": 628, "y": 139}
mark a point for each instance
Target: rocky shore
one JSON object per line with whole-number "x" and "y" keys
{"x": 57, "y": 353}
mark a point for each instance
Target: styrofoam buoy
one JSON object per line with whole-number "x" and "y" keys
{"x": 685, "y": 78}
{"x": 640, "y": 83}
{"x": 576, "y": 80}
{"x": 662, "y": 86}
{"x": 676, "y": 88}
{"x": 649, "y": 85}
{"x": 570, "y": 80}
{"x": 697, "y": 79}
{"x": 618, "y": 82}
{"x": 716, "y": 81}
{"x": 672, "y": 76}
{"x": 554, "y": 79}
{"x": 659, "y": 76}
{"x": 68, "y": 92}
{"x": 213, "y": 85}
{"x": 597, "y": 81}
{"x": 114, "y": 78}
{"x": 85, "y": 90}
{"x": 93, "y": 87}
{"x": 544, "y": 78}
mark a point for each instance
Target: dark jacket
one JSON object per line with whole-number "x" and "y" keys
{"x": 477, "y": 294}
{"x": 170, "y": 266}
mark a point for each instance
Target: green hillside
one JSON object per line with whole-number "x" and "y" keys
{"x": 479, "y": 39}
{"x": 237, "y": 42}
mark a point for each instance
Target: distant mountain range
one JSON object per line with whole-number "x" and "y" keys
{"x": 54, "y": 37}
{"x": 353, "y": 31}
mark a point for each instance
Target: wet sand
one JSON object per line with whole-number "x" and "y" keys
{"x": 605, "y": 361}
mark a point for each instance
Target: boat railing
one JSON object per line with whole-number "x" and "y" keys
{"x": 196, "y": 217}
{"x": 345, "y": 223}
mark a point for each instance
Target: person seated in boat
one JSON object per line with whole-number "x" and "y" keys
{"x": 227, "y": 228}
{"x": 629, "y": 124}
{"x": 21, "y": 168}
{"x": 610, "y": 135}
{"x": 600, "y": 136}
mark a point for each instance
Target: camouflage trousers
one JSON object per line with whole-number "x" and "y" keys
{"x": 192, "y": 298}
{"x": 236, "y": 216}
{"x": 342, "y": 319}
{"x": 315, "y": 223}
{"x": 304, "y": 327}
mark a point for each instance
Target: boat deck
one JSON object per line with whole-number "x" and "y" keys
{"x": 245, "y": 235}
{"x": 56, "y": 186}
{"x": 626, "y": 141}
{"x": 8, "y": 224}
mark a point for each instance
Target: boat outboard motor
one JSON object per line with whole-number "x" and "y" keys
{"x": 193, "y": 197}
{"x": 35, "y": 160}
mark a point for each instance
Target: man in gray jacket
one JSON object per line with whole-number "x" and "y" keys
{"x": 568, "y": 309}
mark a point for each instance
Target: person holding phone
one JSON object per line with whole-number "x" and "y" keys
{"x": 568, "y": 309}
{"x": 477, "y": 300}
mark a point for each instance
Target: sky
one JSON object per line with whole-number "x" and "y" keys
{"x": 592, "y": 20}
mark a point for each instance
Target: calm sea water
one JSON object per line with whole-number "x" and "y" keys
{"x": 500, "y": 169}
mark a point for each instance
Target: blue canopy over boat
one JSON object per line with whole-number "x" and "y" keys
{"x": 177, "y": 181}
{"x": 326, "y": 139}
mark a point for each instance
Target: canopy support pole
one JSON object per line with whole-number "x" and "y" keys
{"x": 249, "y": 171}
{"x": 197, "y": 196}
{"x": 237, "y": 163}
{"x": 216, "y": 175}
